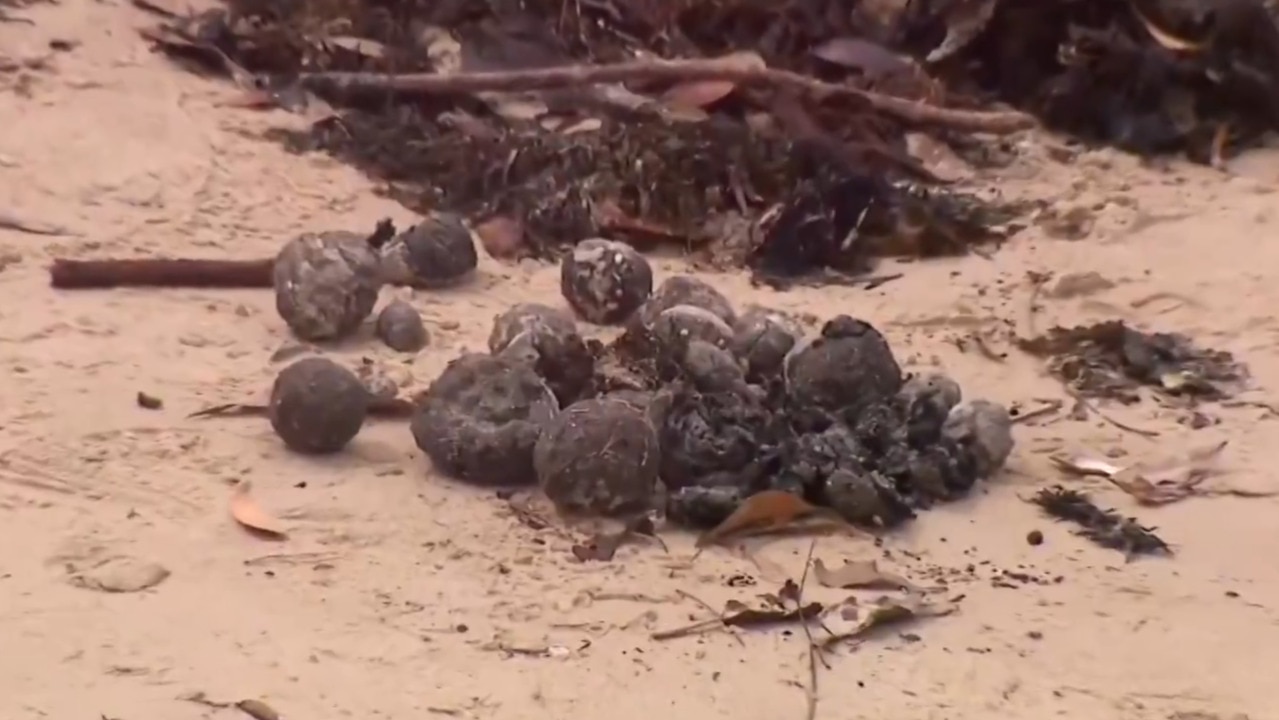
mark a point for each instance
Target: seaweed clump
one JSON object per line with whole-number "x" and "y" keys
{"x": 1112, "y": 360}
{"x": 1104, "y": 527}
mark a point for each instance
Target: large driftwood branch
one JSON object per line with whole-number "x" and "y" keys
{"x": 740, "y": 68}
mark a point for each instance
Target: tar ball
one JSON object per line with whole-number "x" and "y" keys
{"x": 326, "y": 284}
{"x": 687, "y": 290}
{"x": 762, "y": 338}
{"x": 528, "y": 317}
{"x": 926, "y": 401}
{"x": 713, "y": 369}
{"x": 438, "y": 252}
{"x": 605, "y": 281}
{"x": 845, "y": 369}
{"x": 480, "y": 419}
{"x": 855, "y": 496}
{"x": 679, "y": 325}
{"x": 705, "y": 437}
{"x": 317, "y": 406}
{"x": 401, "y": 328}
{"x": 599, "y": 456}
{"x": 985, "y": 429}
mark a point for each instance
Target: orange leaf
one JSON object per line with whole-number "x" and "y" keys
{"x": 502, "y": 237}
{"x": 697, "y": 94}
{"x": 250, "y": 516}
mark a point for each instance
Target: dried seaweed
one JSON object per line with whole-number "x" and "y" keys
{"x": 1104, "y": 527}
{"x": 1112, "y": 360}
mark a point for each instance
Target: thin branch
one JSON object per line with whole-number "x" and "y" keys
{"x": 813, "y": 649}
{"x": 739, "y": 68}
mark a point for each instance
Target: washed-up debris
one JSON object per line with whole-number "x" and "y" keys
{"x": 400, "y": 327}
{"x": 246, "y": 512}
{"x": 1112, "y": 360}
{"x": 1161, "y": 483}
{"x": 546, "y": 133}
{"x": 317, "y": 406}
{"x": 116, "y": 574}
{"x": 604, "y": 546}
{"x": 1104, "y": 527}
{"x": 861, "y": 574}
{"x": 596, "y": 425}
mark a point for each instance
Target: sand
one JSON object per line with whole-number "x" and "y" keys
{"x": 400, "y": 594}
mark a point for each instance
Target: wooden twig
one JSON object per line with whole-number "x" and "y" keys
{"x": 160, "y": 272}
{"x": 739, "y": 68}
{"x": 813, "y": 649}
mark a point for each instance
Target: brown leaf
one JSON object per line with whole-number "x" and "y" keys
{"x": 257, "y": 710}
{"x": 502, "y": 237}
{"x": 883, "y": 612}
{"x": 250, "y": 516}
{"x": 697, "y": 94}
{"x": 1165, "y": 38}
{"x": 860, "y": 574}
{"x": 762, "y": 512}
{"x": 604, "y": 546}
{"x": 872, "y": 59}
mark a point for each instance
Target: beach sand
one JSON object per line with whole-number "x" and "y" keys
{"x": 400, "y": 594}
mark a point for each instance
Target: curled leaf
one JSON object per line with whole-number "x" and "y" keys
{"x": 872, "y": 59}
{"x": 1164, "y": 38}
{"x": 697, "y": 94}
{"x": 860, "y": 574}
{"x": 247, "y": 513}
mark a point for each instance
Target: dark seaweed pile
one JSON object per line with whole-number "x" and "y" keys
{"x": 1104, "y": 527}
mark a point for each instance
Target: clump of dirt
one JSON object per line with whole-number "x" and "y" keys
{"x": 1112, "y": 360}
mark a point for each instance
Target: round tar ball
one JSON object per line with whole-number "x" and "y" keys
{"x": 985, "y": 429}
{"x": 687, "y": 290}
{"x": 326, "y": 284}
{"x": 529, "y": 317}
{"x": 401, "y": 328}
{"x": 762, "y": 338}
{"x": 438, "y": 252}
{"x": 847, "y": 368}
{"x": 605, "y": 281}
{"x": 317, "y": 406}
{"x": 479, "y": 420}
{"x": 599, "y": 456}
{"x": 677, "y": 326}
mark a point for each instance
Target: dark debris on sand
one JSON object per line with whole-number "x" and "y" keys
{"x": 676, "y": 407}
{"x": 1113, "y": 360}
{"x": 1104, "y": 527}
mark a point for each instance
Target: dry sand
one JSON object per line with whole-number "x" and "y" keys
{"x": 397, "y": 588}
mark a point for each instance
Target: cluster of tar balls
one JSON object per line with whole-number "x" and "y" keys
{"x": 694, "y": 406}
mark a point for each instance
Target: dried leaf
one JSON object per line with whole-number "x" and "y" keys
{"x": 966, "y": 19}
{"x": 883, "y": 612}
{"x": 249, "y": 515}
{"x": 763, "y": 512}
{"x": 149, "y": 402}
{"x": 1161, "y": 483}
{"x": 872, "y": 59}
{"x": 501, "y": 237}
{"x": 860, "y": 574}
{"x": 1164, "y": 38}
{"x": 697, "y": 94}
{"x": 604, "y": 546}
{"x": 360, "y": 46}
{"x": 1085, "y": 466}
{"x": 257, "y": 710}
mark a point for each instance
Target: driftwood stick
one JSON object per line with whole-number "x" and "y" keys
{"x": 741, "y": 68}
{"x": 160, "y": 272}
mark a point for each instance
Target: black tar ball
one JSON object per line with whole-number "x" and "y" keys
{"x": 529, "y": 317}
{"x": 605, "y": 281}
{"x": 762, "y": 338}
{"x": 401, "y": 328}
{"x": 317, "y": 406}
{"x": 599, "y": 456}
{"x": 687, "y": 290}
{"x": 848, "y": 367}
{"x": 438, "y": 252}
{"x": 481, "y": 417}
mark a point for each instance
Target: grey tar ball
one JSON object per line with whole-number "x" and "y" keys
{"x": 599, "y": 456}
{"x": 605, "y": 281}
{"x": 401, "y": 328}
{"x": 317, "y": 406}
{"x": 481, "y": 417}
{"x": 986, "y": 428}
{"x": 326, "y": 284}
{"x": 529, "y": 317}
{"x": 438, "y": 252}
{"x": 677, "y": 326}
{"x": 847, "y": 368}
{"x": 686, "y": 290}
{"x": 761, "y": 338}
